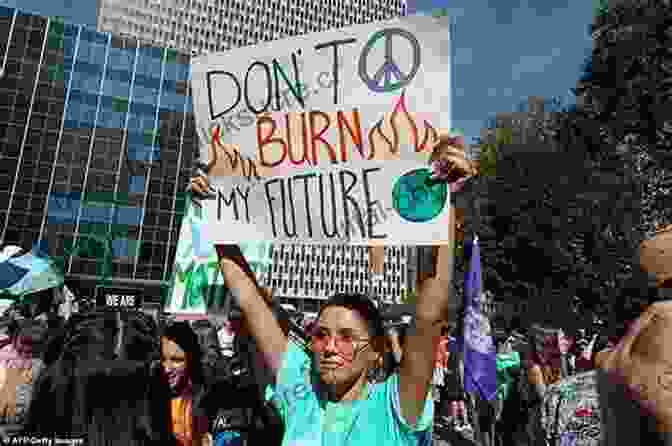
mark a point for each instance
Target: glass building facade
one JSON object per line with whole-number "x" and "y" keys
{"x": 96, "y": 146}
{"x": 97, "y": 140}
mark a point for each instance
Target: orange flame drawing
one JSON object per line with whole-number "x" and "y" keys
{"x": 401, "y": 122}
{"x": 238, "y": 164}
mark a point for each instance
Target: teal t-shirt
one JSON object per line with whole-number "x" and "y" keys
{"x": 368, "y": 422}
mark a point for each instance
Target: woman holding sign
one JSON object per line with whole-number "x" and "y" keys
{"x": 324, "y": 393}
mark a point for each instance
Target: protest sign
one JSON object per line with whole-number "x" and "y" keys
{"x": 321, "y": 98}
{"x": 323, "y": 110}
{"x": 197, "y": 287}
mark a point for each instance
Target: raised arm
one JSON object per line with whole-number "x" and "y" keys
{"x": 260, "y": 320}
{"x": 417, "y": 363}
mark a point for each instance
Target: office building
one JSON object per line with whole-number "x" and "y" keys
{"x": 203, "y": 26}
{"x": 197, "y": 27}
{"x": 305, "y": 276}
{"x": 83, "y": 12}
{"x": 96, "y": 144}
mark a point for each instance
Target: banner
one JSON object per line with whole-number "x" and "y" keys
{"x": 480, "y": 364}
{"x": 295, "y": 131}
{"x": 197, "y": 284}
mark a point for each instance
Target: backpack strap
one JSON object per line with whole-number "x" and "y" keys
{"x": 555, "y": 436}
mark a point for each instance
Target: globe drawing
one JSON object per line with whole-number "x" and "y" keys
{"x": 415, "y": 199}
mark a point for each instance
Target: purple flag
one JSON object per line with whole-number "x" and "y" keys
{"x": 480, "y": 363}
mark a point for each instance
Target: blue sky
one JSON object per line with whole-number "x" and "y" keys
{"x": 74, "y": 11}
{"x": 504, "y": 50}
{"x": 507, "y": 50}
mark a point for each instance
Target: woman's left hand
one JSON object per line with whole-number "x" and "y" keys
{"x": 449, "y": 161}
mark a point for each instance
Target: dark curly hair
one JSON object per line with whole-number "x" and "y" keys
{"x": 104, "y": 364}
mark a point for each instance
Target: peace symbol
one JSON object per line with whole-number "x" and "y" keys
{"x": 389, "y": 68}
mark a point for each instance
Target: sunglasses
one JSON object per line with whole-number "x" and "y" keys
{"x": 348, "y": 346}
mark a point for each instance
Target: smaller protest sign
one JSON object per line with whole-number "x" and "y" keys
{"x": 197, "y": 286}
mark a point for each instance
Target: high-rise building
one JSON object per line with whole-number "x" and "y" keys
{"x": 97, "y": 139}
{"x": 96, "y": 144}
{"x": 203, "y": 26}
{"x": 306, "y": 275}
{"x": 74, "y": 11}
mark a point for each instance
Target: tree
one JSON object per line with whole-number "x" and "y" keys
{"x": 551, "y": 227}
{"x": 626, "y": 88}
{"x": 490, "y": 151}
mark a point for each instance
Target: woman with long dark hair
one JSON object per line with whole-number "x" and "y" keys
{"x": 104, "y": 386}
{"x": 212, "y": 356}
{"x": 324, "y": 392}
{"x": 30, "y": 326}
{"x": 182, "y": 368}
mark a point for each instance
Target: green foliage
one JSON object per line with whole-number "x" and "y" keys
{"x": 490, "y": 151}
{"x": 487, "y": 161}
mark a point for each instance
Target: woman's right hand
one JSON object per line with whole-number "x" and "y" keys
{"x": 200, "y": 185}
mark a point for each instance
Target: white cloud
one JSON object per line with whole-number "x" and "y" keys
{"x": 533, "y": 64}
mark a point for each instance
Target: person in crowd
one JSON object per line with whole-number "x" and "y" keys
{"x": 20, "y": 366}
{"x": 440, "y": 366}
{"x": 635, "y": 376}
{"x": 453, "y": 408}
{"x": 226, "y": 335}
{"x": 508, "y": 366}
{"x": 585, "y": 351}
{"x": 543, "y": 368}
{"x": 566, "y": 350}
{"x": 103, "y": 389}
{"x": 323, "y": 393}
{"x": 182, "y": 367}
{"x": 210, "y": 348}
{"x": 508, "y": 413}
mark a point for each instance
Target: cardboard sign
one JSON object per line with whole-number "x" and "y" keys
{"x": 298, "y": 134}
{"x": 118, "y": 298}
{"x": 197, "y": 287}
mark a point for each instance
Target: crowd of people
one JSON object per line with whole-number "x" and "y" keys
{"x": 107, "y": 377}
{"x": 113, "y": 377}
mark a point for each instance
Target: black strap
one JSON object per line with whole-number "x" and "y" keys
{"x": 556, "y": 425}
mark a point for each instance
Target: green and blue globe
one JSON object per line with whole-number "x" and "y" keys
{"x": 416, "y": 199}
